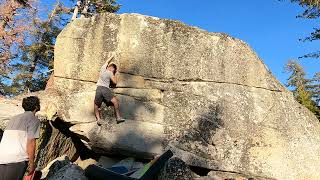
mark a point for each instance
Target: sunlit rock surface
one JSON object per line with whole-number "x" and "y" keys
{"x": 207, "y": 96}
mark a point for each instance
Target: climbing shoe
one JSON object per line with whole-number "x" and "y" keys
{"x": 99, "y": 122}
{"x": 120, "y": 120}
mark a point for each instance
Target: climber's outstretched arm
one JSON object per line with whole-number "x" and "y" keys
{"x": 112, "y": 55}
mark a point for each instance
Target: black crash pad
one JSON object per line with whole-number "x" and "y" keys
{"x": 94, "y": 172}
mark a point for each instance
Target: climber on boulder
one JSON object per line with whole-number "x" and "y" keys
{"x": 103, "y": 91}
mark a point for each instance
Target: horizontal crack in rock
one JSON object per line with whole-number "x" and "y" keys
{"x": 186, "y": 80}
{"x": 75, "y": 79}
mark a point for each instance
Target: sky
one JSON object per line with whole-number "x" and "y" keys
{"x": 270, "y": 27}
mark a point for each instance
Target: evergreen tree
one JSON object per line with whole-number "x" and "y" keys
{"x": 14, "y": 26}
{"x": 27, "y": 41}
{"x": 303, "y": 89}
{"x": 36, "y": 62}
{"x": 314, "y": 88}
{"x": 312, "y": 11}
{"x": 309, "y": 3}
{"x": 91, "y": 7}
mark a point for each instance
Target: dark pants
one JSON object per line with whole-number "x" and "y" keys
{"x": 13, "y": 171}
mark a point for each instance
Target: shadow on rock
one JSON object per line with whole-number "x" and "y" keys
{"x": 1, "y": 133}
{"x": 57, "y": 140}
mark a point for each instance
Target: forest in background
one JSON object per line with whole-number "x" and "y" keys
{"x": 27, "y": 42}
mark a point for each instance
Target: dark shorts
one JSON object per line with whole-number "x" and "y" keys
{"x": 103, "y": 94}
{"x": 13, "y": 171}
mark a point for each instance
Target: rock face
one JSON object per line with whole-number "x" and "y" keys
{"x": 222, "y": 175}
{"x": 69, "y": 172}
{"x": 175, "y": 169}
{"x": 207, "y": 96}
{"x": 62, "y": 169}
{"x": 7, "y": 110}
{"x": 53, "y": 144}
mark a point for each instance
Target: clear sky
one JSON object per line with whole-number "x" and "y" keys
{"x": 270, "y": 27}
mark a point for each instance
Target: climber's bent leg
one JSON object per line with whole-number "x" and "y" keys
{"x": 116, "y": 105}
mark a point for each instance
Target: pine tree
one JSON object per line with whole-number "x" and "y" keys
{"x": 314, "y": 88}
{"x": 36, "y": 62}
{"x": 91, "y": 7}
{"x": 309, "y": 3}
{"x": 312, "y": 11}
{"x": 14, "y": 25}
{"x": 303, "y": 89}
{"x": 27, "y": 41}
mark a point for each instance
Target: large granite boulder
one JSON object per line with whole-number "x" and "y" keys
{"x": 175, "y": 169}
{"x": 8, "y": 110}
{"x": 207, "y": 96}
{"x": 53, "y": 143}
{"x": 223, "y": 175}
